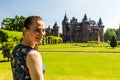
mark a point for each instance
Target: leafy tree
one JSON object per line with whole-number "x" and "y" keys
{"x": 7, "y": 48}
{"x": 113, "y": 42}
{"x": 14, "y": 24}
{"x": 6, "y": 23}
{"x": 109, "y": 33}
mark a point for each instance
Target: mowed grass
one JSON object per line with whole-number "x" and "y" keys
{"x": 72, "y": 62}
{"x": 76, "y": 47}
{"x": 81, "y": 66}
{"x": 5, "y": 69}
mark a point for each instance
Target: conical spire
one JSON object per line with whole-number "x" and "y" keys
{"x": 65, "y": 18}
{"x": 85, "y": 18}
{"x": 100, "y": 23}
{"x": 55, "y": 25}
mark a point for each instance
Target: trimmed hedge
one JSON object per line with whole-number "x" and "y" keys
{"x": 16, "y": 36}
{"x": 52, "y": 40}
{"x": 5, "y": 34}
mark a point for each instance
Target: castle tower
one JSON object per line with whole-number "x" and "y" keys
{"x": 85, "y": 18}
{"x": 56, "y": 30}
{"x": 65, "y": 29}
{"x": 101, "y": 30}
{"x": 48, "y": 31}
{"x": 73, "y": 30}
{"x": 85, "y": 29}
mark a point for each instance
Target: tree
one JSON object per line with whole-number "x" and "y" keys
{"x": 113, "y": 42}
{"x": 6, "y": 23}
{"x": 109, "y": 33}
{"x": 13, "y": 24}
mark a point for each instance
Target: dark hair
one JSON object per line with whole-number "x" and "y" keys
{"x": 29, "y": 21}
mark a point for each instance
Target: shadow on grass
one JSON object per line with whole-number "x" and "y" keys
{"x": 4, "y": 61}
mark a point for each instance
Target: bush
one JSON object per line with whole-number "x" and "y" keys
{"x": 52, "y": 40}
{"x": 5, "y": 34}
{"x": 118, "y": 42}
{"x": 113, "y": 42}
{"x": 7, "y": 48}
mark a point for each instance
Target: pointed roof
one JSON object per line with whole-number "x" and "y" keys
{"x": 73, "y": 18}
{"x": 100, "y": 23}
{"x": 55, "y": 25}
{"x": 85, "y": 18}
{"x": 65, "y": 18}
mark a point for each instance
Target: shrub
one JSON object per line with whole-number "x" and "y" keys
{"x": 5, "y": 34}
{"x": 113, "y": 42}
{"x": 52, "y": 40}
{"x": 7, "y": 48}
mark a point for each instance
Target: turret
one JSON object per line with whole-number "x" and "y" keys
{"x": 56, "y": 29}
{"x": 73, "y": 20}
{"x": 73, "y": 29}
{"x": 101, "y": 30}
{"x": 85, "y": 29}
{"x": 85, "y": 18}
{"x": 65, "y": 28}
{"x": 100, "y": 23}
{"x": 65, "y": 20}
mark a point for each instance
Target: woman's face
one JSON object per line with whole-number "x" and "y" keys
{"x": 36, "y": 32}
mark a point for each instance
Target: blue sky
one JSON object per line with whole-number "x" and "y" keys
{"x": 54, "y": 10}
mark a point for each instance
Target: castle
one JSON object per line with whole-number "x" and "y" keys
{"x": 74, "y": 31}
{"x": 53, "y": 32}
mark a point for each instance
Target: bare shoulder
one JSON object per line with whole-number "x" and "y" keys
{"x": 34, "y": 56}
{"x": 33, "y": 53}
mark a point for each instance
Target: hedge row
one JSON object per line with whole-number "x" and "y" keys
{"x": 52, "y": 40}
{"x": 16, "y": 36}
{"x": 5, "y": 34}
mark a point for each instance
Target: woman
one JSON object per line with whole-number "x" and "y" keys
{"x": 26, "y": 61}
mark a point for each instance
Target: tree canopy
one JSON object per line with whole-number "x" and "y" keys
{"x": 109, "y": 33}
{"x": 13, "y": 24}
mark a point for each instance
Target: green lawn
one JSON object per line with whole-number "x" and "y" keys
{"x": 77, "y": 66}
{"x": 71, "y": 62}
{"x": 5, "y": 71}
{"x": 76, "y": 47}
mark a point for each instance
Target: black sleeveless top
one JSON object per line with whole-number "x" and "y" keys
{"x": 18, "y": 62}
